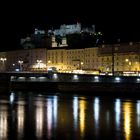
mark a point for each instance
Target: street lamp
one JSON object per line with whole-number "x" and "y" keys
{"x": 49, "y": 61}
{"x": 126, "y": 60}
{"x": 3, "y": 59}
{"x": 129, "y": 63}
{"x": 20, "y": 64}
{"x": 39, "y": 62}
{"x": 82, "y": 63}
{"x": 13, "y": 67}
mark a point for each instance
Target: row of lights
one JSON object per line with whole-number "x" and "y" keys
{"x": 96, "y": 78}
{"x": 75, "y": 77}
{"x": 3, "y": 59}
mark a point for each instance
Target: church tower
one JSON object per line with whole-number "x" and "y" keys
{"x": 54, "y": 43}
{"x": 64, "y": 42}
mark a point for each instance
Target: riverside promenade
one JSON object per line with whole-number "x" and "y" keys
{"x": 62, "y": 82}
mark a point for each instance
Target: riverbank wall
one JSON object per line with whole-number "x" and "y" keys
{"x": 74, "y": 83}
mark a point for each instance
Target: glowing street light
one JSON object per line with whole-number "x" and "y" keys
{"x": 39, "y": 65}
{"x": 129, "y": 63}
{"x": 20, "y": 64}
{"x": 3, "y": 59}
{"x": 126, "y": 60}
{"x": 39, "y": 62}
{"x": 82, "y": 63}
{"x": 49, "y": 61}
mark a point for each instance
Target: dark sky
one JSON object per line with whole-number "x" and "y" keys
{"x": 115, "y": 19}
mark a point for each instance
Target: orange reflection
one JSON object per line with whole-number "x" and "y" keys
{"x": 82, "y": 107}
{"x": 127, "y": 119}
{"x": 3, "y": 122}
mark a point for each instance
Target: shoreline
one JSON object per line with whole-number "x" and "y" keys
{"x": 70, "y": 83}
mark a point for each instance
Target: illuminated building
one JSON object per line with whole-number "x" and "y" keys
{"x": 46, "y": 38}
{"x": 3, "y": 60}
{"x": 55, "y": 44}
{"x": 124, "y": 57}
{"x": 71, "y": 29}
{"x": 67, "y": 29}
{"x": 28, "y": 58}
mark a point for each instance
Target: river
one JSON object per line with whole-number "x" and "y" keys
{"x": 52, "y": 116}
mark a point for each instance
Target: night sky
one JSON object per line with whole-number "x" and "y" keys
{"x": 115, "y": 20}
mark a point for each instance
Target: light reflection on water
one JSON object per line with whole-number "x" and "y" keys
{"x": 138, "y": 113}
{"x": 75, "y": 112}
{"x": 117, "y": 113}
{"x": 127, "y": 112}
{"x": 3, "y": 122}
{"x": 43, "y": 116}
{"x": 39, "y": 116}
{"x": 51, "y": 115}
{"x": 96, "y": 114}
{"x": 20, "y": 119}
{"x": 82, "y": 107}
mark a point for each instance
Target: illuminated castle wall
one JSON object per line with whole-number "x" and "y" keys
{"x": 71, "y": 29}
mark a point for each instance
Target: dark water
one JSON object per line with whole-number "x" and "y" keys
{"x": 37, "y": 116}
